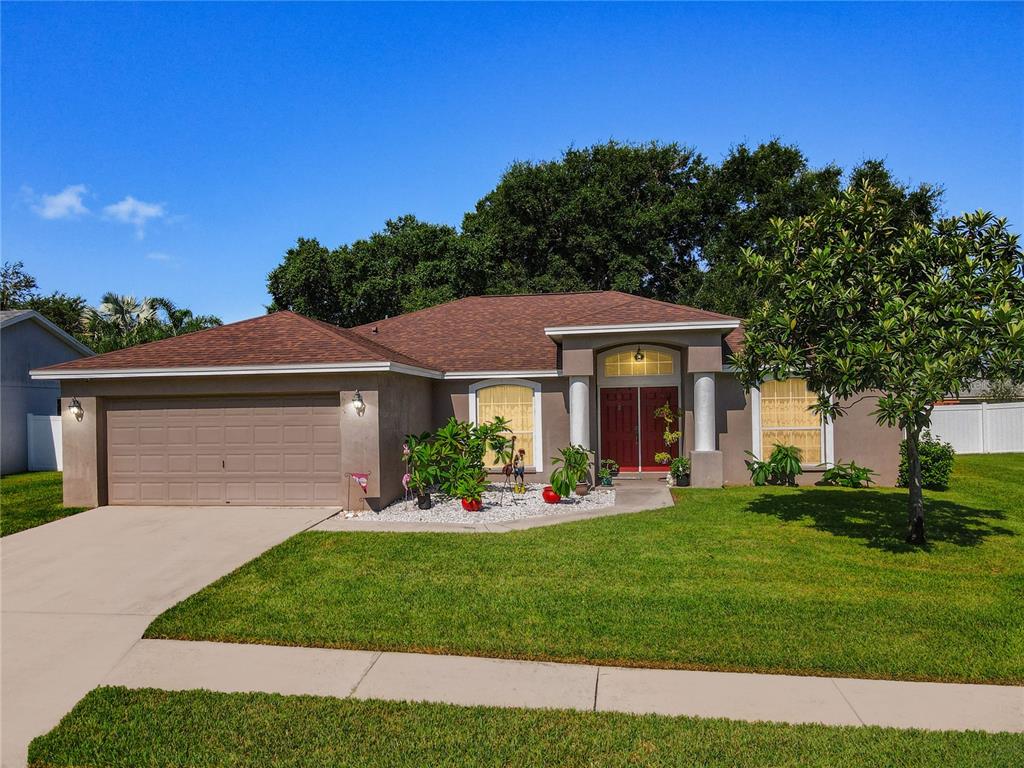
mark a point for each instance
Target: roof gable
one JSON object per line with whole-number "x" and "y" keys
{"x": 507, "y": 333}
{"x": 9, "y": 317}
{"x": 281, "y": 338}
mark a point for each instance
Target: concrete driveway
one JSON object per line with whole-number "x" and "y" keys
{"x": 78, "y": 593}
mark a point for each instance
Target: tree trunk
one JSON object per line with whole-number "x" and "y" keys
{"x": 915, "y": 509}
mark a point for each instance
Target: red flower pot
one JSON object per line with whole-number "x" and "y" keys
{"x": 550, "y": 496}
{"x": 472, "y": 505}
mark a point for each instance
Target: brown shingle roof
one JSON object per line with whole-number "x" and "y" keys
{"x": 281, "y": 338}
{"x": 494, "y": 333}
{"x": 479, "y": 333}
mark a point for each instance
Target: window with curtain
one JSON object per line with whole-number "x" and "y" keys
{"x": 513, "y": 402}
{"x": 786, "y": 418}
{"x": 654, "y": 363}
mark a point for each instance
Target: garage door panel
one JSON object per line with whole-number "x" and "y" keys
{"x": 184, "y": 436}
{"x": 153, "y": 464}
{"x": 206, "y": 435}
{"x": 209, "y": 462}
{"x": 282, "y": 450}
{"x": 325, "y": 463}
{"x": 238, "y": 462}
{"x": 263, "y": 434}
{"x": 268, "y": 463}
{"x": 238, "y": 435}
{"x": 292, "y": 434}
{"x": 124, "y": 464}
{"x": 181, "y": 464}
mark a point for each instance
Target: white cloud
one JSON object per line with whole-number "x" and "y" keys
{"x": 135, "y": 212}
{"x": 158, "y": 256}
{"x": 66, "y": 204}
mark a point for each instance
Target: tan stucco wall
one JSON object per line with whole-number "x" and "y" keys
{"x": 405, "y": 408}
{"x": 859, "y": 438}
{"x": 84, "y": 444}
{"x": 734, "y": 428}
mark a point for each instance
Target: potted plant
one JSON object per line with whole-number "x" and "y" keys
{"x": 571, "y": 473}
{"x": 420, "y": 455}
{"x": 679, "y": 470}
{"x": 609, "y": 468}
{"x": 470, "y": 488}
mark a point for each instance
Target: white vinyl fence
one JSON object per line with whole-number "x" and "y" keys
{"x": 44, "y": 443}
{"x": 981, "y": 427}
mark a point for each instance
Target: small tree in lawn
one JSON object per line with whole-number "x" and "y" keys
{"x": 860, "y": 305}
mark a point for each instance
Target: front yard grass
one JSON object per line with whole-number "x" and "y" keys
{"x": 30, "y": 499}
{"x": 805, "y": 581}
{"x": 141, "y": 728}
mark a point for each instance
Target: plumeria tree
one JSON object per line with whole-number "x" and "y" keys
{"x": 862, "y": 304}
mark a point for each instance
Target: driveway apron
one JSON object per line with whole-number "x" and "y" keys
{"x": 78, "y": 593}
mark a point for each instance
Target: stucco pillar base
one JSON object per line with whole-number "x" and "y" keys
{"x": 706, "y": 469}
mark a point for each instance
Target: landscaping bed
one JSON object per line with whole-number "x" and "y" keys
{"x": 498, "y": 507}
{"x": 795, "y": 580}
{"x": 145, "y": 728}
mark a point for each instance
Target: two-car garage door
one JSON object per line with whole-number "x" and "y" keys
{"x": 264, "y": 451}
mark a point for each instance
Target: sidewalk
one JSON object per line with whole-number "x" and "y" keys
{"x": 630, "y": 496}
{"x": 227, "y": 667}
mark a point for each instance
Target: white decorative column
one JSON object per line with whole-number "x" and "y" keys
{"x": 579, "y": 410}
{"x": 704, "y": 412}
{"x": 707, "y": 464}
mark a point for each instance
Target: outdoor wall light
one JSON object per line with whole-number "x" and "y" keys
{"x": 76, "y": 409}
{"x": 359, "y": 403}
{"x": 639, "y": 356}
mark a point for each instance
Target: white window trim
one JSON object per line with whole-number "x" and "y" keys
{"x": 538, "y": 426}
{"x": 828, "y": 440}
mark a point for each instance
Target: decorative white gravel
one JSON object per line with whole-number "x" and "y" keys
{"x": 530, "y": 504}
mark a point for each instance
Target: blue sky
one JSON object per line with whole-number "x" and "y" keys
{"x": 179, "y": 150}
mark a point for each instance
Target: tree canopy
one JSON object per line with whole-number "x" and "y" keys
{"x": 118, "y": 321}
{"x": 653, "y": 219}
{"x": 867, "y": 297}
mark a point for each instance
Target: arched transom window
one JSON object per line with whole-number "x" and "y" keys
{"x": 638, "y": 362}
{"x": 518, "y": 404}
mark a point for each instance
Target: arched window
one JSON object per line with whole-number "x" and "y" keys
{"x": 519, "y": 403}
{"x": 638, "y": 362}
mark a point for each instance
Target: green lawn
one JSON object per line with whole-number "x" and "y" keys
{"x": 807, "y": 581}
{"x": 31, "y": 499}
{"x": 137, "y": 729}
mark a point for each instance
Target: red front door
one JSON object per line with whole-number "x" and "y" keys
{"x": 630, "y": 432}
{"x": 652, "y": 428}
{"x": 619, "y": 439}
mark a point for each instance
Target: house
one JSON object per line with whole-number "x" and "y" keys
{"x": 282, "y": 409}
{"x": 28, "y": 340}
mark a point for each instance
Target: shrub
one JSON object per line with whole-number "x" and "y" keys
{"x": 782, "y": 467}
{"x": 573, "y": 464}
{"x": 848, "y": 475}
{"x": 936, "y": 463}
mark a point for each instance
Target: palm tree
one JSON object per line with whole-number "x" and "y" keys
{"x": 181, "y": 320}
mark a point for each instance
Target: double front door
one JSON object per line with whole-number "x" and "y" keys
{"x": 630, "y": 432}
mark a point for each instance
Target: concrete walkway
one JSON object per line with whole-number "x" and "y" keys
{"x": 181, "y": 665}
{"x": 78, "y": 593}
{"x": 630, "y": 496}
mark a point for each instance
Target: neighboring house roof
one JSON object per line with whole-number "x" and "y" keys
{"x": 479, "y": 334}
{"x": 279, "y": 340}
{"x": 510, "y": 333}
{"x": 9, "y": 317}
